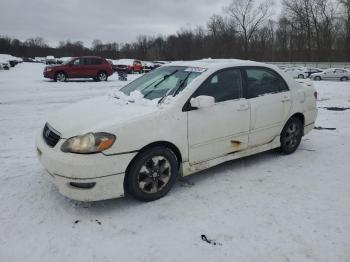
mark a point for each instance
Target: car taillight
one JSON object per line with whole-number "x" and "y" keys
{"x": 315, "y": 95}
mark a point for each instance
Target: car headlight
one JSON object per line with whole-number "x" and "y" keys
{"x": 89, "y": 143}
{"x": 48, "y": 69}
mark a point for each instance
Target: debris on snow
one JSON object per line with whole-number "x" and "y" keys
{"x": 335, "y": 108}
{"x": 324, "y": 128}
{"x": 212, "y": 242}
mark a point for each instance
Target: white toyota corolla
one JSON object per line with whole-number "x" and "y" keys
{"x": 177, "y": 120}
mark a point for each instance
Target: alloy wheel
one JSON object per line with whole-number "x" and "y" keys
{"x": 154, "y": 174}
{"x": 292, "y": 135}
{"x": 61, "y": 77}
{"x": 102, "y": 76}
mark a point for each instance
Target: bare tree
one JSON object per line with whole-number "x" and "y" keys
{"x": 96, "y": 45}
{"x": 249, "y": 16}
{"x": 299, "y": 13}
{"x": 216, "y": 25}
{"x": 345, "y": 20}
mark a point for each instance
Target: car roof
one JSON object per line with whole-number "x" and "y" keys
{"x": 86, "y": 56}
{"x": 216, "y": 63}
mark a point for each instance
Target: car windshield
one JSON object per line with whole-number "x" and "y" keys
{"x": 168, "y": 80}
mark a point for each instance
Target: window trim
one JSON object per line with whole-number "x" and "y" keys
{"x": 244, "y": 69}
{"x": 187, "y": 106}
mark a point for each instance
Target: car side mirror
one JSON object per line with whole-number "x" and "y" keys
{"x": 202, "y": 101}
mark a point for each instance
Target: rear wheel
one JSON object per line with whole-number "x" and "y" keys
{"x": 301, "y": 76}
{"x": 152, "y": 174}
{"x": 291, "y": 135}
{"x": 102, "y": 76}
{"x": 60, "y": 77}
{"x": 344, "y": 78}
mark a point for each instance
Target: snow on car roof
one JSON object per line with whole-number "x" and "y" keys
{"x": 216, "y": 63}
{"x": 125, "y": 61}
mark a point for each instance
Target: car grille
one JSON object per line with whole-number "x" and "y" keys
{"x": 50, "y": 135}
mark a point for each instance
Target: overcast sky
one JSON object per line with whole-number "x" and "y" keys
{"x": 107, "y": 20}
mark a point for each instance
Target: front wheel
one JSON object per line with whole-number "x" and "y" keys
{"x": 301, "y": 76}
{"x": 152, "y": 174}
{"x": 344, "y": 78}
{"x": 317, "y": 78}
{"x": 102, "y": 76}
{"x": 60, "y": 77}
{"x": 291, "y": 135}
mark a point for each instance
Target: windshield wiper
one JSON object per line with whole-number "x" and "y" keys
{"x": 161, "y": 81}
{"x": 181, "y": 85}
{"x": 176, "y": 90}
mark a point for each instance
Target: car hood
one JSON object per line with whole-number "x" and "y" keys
{"x": 100, "y": 114}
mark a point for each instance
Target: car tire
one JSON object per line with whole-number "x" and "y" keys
{"x": 291, "y": 135}
{"x": 152, "y": 174}
{"x": 317, "y": 78}
{"x": 102, "y": 76}
{"x": 344, "y": 78}
{"x": 60, "y": 77}
{"x": 301, "y": 76}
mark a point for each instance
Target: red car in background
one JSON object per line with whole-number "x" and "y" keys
{"x": 94, "y": 67}
{"x": 129, "y": 66}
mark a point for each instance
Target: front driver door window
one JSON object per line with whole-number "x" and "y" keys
{"x": 222, "y": 128}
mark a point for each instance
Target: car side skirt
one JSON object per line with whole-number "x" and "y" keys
{"x": 188, "y": 169}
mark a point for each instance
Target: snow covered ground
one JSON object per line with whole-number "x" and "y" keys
{"x": 267, "y": 207}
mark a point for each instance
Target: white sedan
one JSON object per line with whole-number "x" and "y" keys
{"x": 176, "y": 120}
{"x": 332, "y": 74}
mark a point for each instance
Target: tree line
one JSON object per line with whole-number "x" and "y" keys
{"x": 306, "y": 30}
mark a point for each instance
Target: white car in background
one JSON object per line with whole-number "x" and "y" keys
{"x": 181, "y": 118}
{"x": 4, "y": 65}
{"x": 297, "y": 72}
{"x": 332, "y": 74}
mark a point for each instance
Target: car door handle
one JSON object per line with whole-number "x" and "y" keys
{"x": 285, "y": 99}
{"x": 243, "y": 107}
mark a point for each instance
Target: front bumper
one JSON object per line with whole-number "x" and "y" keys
{"x": 105, "y": 187}
{"x": 107, "y": 172}
{"x": 49, "y": 74}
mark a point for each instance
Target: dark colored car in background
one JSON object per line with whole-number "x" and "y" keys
{"x": 94, "y": 67}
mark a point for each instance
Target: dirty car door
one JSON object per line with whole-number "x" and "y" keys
{"x": 223, "y": 128}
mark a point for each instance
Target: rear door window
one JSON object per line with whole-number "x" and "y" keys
{"x": 261, "y": 81}
{"x": 96, "y": 61}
